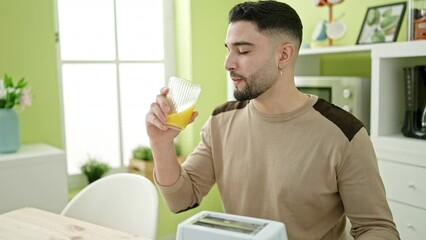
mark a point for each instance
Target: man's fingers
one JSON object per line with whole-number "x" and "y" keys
{"x": 155, "y": 117}
{"x": 193, "y": 116}
{"x": 158, "y": 112}
{"x": 162, "y": 100}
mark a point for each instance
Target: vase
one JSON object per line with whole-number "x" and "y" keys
{"x": 9, "y": 131}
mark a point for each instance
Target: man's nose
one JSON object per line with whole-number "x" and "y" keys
{"x": 230, "y": 63}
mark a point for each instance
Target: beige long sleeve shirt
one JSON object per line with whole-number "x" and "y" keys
{"x": 308, "y": 169}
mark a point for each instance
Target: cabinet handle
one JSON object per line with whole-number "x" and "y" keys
{"x": 410, "y": 226}
{"x": 411, "y": 185}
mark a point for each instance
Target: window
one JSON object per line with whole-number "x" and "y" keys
{"x": 114, "y": 58}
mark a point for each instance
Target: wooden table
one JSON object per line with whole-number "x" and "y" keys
{"x": 32, "y": 223}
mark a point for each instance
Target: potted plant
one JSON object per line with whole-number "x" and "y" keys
{"x": 94, "y": 169}
{"x": 12, "y": 97}
{"x": 142, "y": 161}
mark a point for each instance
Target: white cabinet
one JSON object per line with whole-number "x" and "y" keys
{"x": 406, "y": 191}
{"x": 35, "y": 176}
{"x": 410, "y": 221}
{"x": 402, "y": 160}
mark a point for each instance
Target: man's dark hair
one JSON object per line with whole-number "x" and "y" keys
{"x": 269, "y": 16}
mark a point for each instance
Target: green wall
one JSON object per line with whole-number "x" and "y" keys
{"x": 28, "y": 49}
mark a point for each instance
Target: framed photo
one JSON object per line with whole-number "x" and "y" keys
{"x": 382, "y": 23}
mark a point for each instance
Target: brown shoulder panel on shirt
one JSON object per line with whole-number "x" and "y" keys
{"x": 347, "y": 123}
{"x": 229, "y": 106}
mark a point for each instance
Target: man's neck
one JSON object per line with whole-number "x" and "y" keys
{"x": 279, "y": 100}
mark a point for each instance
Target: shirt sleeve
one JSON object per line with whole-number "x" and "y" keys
{"x": 363, "y": 193}
{"x": 196, "y": 177}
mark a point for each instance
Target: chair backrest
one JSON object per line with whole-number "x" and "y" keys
{"x": 123, "y": 201}
{"x": 348, "y": 230}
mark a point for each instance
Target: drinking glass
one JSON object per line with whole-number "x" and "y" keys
{"x": 183, "y": 94}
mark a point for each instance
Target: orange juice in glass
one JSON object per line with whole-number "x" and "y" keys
{"x": 183, "y": 95}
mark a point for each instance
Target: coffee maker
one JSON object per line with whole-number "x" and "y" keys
{"x": 415, "y": 102}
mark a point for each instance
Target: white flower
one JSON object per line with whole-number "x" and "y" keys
{"x": 11, "y": 90}
{"x": 2, "y": 90}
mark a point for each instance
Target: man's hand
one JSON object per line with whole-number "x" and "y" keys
{"x": 157, "y": 116}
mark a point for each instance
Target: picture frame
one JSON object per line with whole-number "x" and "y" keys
{"x": 382, "y": 23}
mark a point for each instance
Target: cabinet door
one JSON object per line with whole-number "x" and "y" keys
{"x": 410, "y": 221}
{"x": 35, "y": 176}
{"x": 404, "y": 183}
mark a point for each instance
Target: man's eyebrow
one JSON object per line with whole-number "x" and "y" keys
{"x": 241, "y": 43}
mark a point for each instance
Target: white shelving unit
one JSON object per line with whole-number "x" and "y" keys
{"x": 402, "y": 160}
{"x": 309, "y": 60}
{"x": 35, "y": 176}
{"x": 387, "y": 101}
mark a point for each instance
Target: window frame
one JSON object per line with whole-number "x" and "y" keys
{"x": 168, "y": 61}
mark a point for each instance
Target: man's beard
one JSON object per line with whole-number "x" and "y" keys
{"x": 255, "y": 85}
{"x": 248, "y": 93}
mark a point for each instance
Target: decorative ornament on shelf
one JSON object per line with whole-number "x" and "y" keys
{"x": 382, "y": 23}
{"x": 332, "y": 28}
{"x": 13, "y": 98}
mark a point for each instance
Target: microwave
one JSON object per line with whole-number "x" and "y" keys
{"x": 349, "y": 93}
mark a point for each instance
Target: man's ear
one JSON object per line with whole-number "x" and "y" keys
{"x": 287, "y": 54}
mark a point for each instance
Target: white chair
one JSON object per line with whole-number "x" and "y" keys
{"x": 348, "y": 230}
{"x": 124, "y": 201}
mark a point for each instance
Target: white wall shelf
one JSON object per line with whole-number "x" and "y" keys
{"x": 337, "y": 49}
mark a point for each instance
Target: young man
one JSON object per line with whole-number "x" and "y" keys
{"x": 276, "y": 153}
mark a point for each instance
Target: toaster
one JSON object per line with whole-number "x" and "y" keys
{"x": 208, "y": 225}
